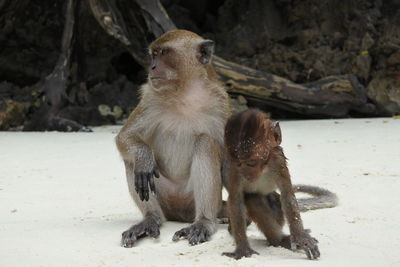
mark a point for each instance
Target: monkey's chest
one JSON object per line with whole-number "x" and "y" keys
{"x": 174, "y": 141}
{"x": 263, "y": 185}
{"x": 174, "y": 154}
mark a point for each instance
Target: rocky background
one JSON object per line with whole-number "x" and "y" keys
{"x": 300, "y": 40}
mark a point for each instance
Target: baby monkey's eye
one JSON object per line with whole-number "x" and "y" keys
{"x": 251, "y": 163}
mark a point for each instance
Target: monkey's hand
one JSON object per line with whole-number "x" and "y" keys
{"x": 240, "y": 252}
{"x": 307, "y": 243}
{"x": 145, "y": 170}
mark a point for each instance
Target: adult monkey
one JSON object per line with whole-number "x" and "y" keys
{"x": 176, "y": 134}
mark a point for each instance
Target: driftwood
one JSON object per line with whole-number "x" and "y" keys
{"x": 333, "y": 96}
{"x": 55, "y": 84}
{"x": 134, "y": 23}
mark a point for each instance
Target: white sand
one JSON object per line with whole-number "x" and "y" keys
{"x": 64, "y": 201}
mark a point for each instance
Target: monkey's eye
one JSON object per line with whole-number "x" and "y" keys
{"x": 251, "y": 163}
{"x": 163, "y": 51}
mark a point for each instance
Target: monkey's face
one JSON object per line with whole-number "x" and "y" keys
{"x": 253, "y": 158}
{"x": 251, "y": 169}
{"x": 178, "y": 56}
{"x": 162, "y": 73}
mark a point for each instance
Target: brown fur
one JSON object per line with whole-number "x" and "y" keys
{"x": 257, "y": 167}
{"x": 176, "y": 131}
{"x": 173, "y": 36}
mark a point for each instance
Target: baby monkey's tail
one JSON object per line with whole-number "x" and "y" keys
{"x": 321, "y": 198}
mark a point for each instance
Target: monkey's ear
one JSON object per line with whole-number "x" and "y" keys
{"x": 276, "y": 130}
{"x": 206, "y": 51}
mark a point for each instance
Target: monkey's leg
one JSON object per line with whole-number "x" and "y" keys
{"x": 151, "y": 210}
{"x": 223, "y": 217}
{"x": 266, "y": 212}
{"x": 237, "y": 216}
{"x": 205, "y": 183}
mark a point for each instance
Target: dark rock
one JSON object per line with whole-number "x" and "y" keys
{"x": 12, "y": 114}
{"x": 384, "y": 91}
{"x": 394, "y": 59}
{"x": 367, "y": 42}
{"x": 363, "y": 66}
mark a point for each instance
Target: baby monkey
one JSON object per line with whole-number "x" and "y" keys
{"x": 255, "y": 168}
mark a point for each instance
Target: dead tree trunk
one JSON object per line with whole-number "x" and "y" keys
{"x": 137, "y": 23}
{"x": 54, "y": 86}
{"x": 134, "y": 23}
{"x": 332, "y": 96}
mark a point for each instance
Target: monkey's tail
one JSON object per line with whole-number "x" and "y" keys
{"x": 321, "y": 198}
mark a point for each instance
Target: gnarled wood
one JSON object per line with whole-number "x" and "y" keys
{"x": 331, "y": 96}
{"x": 54, "y": 86}
{"x": 134, "y": 23}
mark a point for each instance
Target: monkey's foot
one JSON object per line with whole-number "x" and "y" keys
{"x": 148, "y": 227}
{"x": 196, "y": 233}
{"x": 286, "y": 242}
{"x": 306, "y": 243}
{"x": 240, "y": 253}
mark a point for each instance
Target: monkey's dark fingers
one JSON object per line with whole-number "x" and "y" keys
{"x": 181, "y": 233}
{"x": 312, "y": 252}
{"x": 130, "y": 236}
{"x": 142, "y": 187}
{"x": 315, "y": 252}
{"x": 128, "y": 240}
{"x": 308, "y": 253}
{"x": 151, "y": 184}
{"x": 153, "y": 231}
{"x": 199, "y": 237}
{"x": 146, "y": 177}
{"x": 196, "y": 236}
{"x": 138, "y": 184}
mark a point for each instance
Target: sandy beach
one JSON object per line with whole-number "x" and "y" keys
{"x": 64, "y": 200}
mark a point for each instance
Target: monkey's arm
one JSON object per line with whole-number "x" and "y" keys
{"x": 299, "y": 237}
{"x": 225, "y": 170}
{"x": 237, "y": 217}
{"x": 134, "y": 150}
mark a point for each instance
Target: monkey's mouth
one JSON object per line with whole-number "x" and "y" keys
{"x": 157, "y": 78}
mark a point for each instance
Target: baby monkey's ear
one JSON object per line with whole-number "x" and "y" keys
{"x": 276, "y": 132}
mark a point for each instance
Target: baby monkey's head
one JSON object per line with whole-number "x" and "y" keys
{"x": 250, "y": 136}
